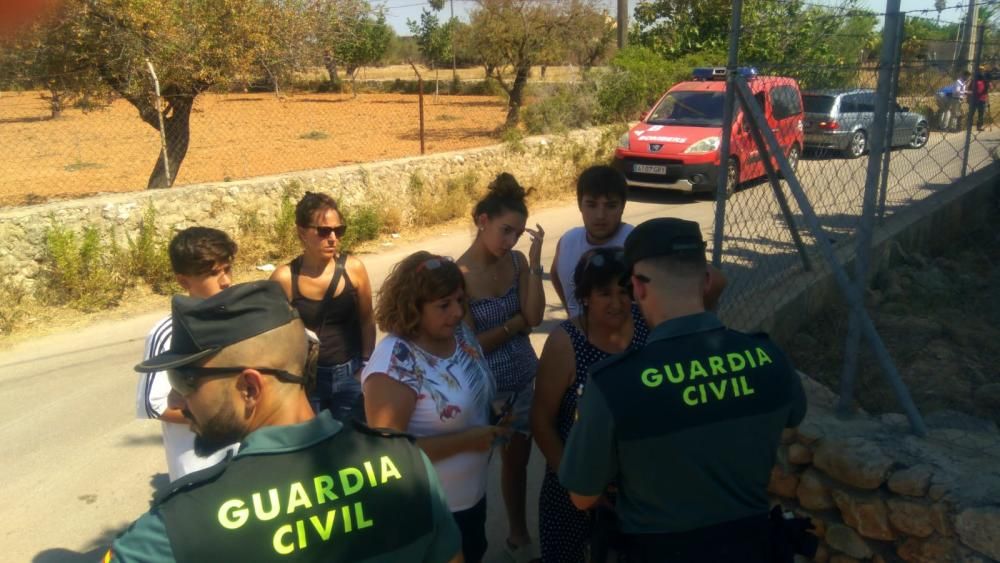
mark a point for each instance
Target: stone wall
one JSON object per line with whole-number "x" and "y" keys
{"x": 549, "y": 161}
{"x": 878, "y": 493}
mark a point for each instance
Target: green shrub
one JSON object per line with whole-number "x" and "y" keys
{"x": 286, "y": 236}
{"x": 363, "y": 224}
{"x": 80, "y": 269}
{"x": 15, "y": 307}
{"x": 148, "y": 256}
{"x": 513, "y": 138}
{"x": 437, "y": 203}
{"x": 314, "y": 135}
{"x": 561, "y": 107}
{"x": 637, "y": 77}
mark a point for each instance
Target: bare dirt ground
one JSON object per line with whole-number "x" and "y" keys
{"x": 939, "y": 316}
{"x": 232, "y": 136}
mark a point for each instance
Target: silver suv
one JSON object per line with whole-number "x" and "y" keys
{"x": 842, "y": 120}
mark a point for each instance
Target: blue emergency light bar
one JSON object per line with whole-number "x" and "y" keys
{"x": 719, "y": 72}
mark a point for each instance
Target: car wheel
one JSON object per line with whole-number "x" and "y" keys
{"x": 858, "y": 145}
{"x": 920, "y": 135}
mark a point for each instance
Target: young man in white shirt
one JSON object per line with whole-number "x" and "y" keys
{"x": 949, "y": 100}
{"x": 601, "y": 193}
{"x": 202, "y": 260}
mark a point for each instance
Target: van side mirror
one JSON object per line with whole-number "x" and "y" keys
{"x": 643, "y": 116}
{"x": 904, "y": 109}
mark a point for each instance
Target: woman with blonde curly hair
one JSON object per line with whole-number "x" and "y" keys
{"x": 428, "y": 378}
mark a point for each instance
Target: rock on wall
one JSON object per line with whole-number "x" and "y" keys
{"x": 536, "y": 160}
{"x": 876, "y": 492}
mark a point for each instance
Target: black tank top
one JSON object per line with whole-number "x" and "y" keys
{"x": 335, "y": 320}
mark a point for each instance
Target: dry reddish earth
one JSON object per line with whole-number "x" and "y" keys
{"x": 232, "y": 136}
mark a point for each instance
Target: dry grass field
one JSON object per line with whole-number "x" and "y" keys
{"x": 232, "y": 136}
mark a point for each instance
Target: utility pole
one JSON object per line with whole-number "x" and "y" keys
{"x": 964, "y": 59}
{"x": 454, "y": 53}
{"x": 973, "y": 26}
{"x": 622, "y": 23}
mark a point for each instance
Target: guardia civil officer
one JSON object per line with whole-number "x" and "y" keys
{"x": 687, "y": 427}
{"x": 302, "y": 487}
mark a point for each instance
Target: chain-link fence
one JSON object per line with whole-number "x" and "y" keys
{"x": 927, "y": 100}
{"x": 87, "y": 146}
{"x": 838, "y": 121}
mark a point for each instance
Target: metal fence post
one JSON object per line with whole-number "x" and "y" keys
{"x": 851, "y": 294}
{"x": 728, "y": 111}
{"x": 893, "y": 92}
{"x": 882, "y": 130}
{"x": 975, "y": 72}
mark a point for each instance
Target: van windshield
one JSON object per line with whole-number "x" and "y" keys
{"x": 698, "y": 109}
{"x": 817, "y": 104}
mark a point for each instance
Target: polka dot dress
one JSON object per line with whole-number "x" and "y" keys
{"x": 514, "y": 362}
{"x": 563, "y": 528}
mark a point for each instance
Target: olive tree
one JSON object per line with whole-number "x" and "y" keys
{"x": 512, "y": 35}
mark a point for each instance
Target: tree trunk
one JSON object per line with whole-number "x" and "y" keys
{"x": 516, "y": 96}
{"x": 56, "y": 103}
{"x": 331, "y": 67}
{"x": 177, "y": 124}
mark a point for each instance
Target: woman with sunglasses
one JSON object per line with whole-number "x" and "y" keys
{"x": 506, "y": 299}
{"x": 332, "y": 293}
{"x": 428, "y": 378}
{"x": 608, "y": 324}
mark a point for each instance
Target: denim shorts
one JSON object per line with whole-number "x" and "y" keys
{"x": 338, "y": 391}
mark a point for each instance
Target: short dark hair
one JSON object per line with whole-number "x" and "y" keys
{"x": 413, "y": 282}
{"x": 196, "y": 250}
{"x": 601, "y": 180}
{"x": 310, "y": 204}
{"x": 504, "y": 194}
{"x": 589, "y": 275}
{"x": 688, "y": 263}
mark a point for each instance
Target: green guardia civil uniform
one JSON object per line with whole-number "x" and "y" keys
{"x": 316, "y": 491}
{"x": 687, "y": 426}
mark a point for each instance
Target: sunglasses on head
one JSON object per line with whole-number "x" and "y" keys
{"x": 602, "y": 259}
{"x": 184, "y": 380}
{"x": 324, "y": 232}
{"x": 434, "y": 263}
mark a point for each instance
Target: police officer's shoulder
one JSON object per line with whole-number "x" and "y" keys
{"x": 605, "y": 365}
{"x": 363, "y": 428}
{"x": 193, "y": 480}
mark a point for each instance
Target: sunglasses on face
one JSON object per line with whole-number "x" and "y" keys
{"x": 324, "y": 232}
{"x": 185, "y": 380}
{"x": 434, "y": 263}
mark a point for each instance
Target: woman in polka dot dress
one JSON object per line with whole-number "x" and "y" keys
{"x": 609, "y": 324}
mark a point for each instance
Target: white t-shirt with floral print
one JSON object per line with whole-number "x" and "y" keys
{"x": 453, "y": 394}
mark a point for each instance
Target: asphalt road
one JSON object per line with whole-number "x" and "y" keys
{"x": 77, "y": 466}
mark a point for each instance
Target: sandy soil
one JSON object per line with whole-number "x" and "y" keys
{"x": 232, "y": 136}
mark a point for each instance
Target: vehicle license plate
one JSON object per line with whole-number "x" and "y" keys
{"x": 649, "y": 169}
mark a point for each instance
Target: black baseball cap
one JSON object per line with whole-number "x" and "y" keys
{"x": 203, "y": 327}
{"x": 660, "y": 237}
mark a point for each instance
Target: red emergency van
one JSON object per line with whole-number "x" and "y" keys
{"x": 676, "y": 145}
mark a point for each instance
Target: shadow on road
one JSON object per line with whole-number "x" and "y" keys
{"x": 97, "y": 549}
{"x": 136, "y": 441}
{"x": 664, "y": 197}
